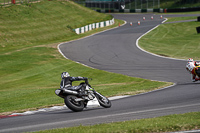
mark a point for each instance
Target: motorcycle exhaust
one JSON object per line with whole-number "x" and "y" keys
{"x": 79, "y": 99}
{"x": 70, "y": 92}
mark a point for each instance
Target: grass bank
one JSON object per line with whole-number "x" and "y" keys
{"x": 176, "y": 40}
{"x": 45, "y": 22}
{"x": 181, "y": 18}
{"x": 171, "y": 123}
{"x": 31, "y": 64}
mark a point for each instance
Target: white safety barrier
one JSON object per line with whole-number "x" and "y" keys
{"x": 94, "y": 26}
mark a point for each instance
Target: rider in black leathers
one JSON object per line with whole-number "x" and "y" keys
{"x": 67, "y": 82}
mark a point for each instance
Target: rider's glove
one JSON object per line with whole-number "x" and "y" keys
{"x": 86, "y": 80}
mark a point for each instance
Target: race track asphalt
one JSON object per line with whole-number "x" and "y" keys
{"x": 116, "y": 51}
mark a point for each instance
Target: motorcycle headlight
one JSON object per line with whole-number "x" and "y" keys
{"x": 57, "y": 92}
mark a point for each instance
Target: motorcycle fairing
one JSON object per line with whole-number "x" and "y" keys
{"x": 197, "y": 71}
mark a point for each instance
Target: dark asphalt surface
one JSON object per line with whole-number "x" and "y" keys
{"x": 116, "y": 51}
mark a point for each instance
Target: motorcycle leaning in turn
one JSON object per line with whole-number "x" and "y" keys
{"x": 77, "y": 100}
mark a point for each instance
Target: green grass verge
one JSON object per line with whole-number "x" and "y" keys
{"x": 171, "y": 123}
{"x": 177, "y": 40}
{"x": 43, "y": 23}
{"x": 31, "y": 64}
{"x": 194, "y": 12}
{"x": 181, "y": 18}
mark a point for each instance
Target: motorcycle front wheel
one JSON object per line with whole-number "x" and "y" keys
{"x": 71, "y": 103}
{"x": 103, "y": 101}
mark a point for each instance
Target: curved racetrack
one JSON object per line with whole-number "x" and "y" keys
{"x": 116, "y": 51}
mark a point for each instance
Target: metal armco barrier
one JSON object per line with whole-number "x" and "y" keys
{"x": 130, "y": 10}
{"x": 94, "y": 26}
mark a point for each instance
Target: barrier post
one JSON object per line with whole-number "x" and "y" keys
{"x": 165, "y": 10}
{"x": 13, "y": 1}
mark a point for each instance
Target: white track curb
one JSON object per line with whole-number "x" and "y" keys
{"x": 91, "y": 104}
{"x": 153, "y": 53}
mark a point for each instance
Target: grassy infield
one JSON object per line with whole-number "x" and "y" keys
{"x": 162, "y": 42}
{"x": 31, "y": 65}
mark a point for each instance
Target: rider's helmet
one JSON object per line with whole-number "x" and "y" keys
{"x": 190, "y": 60}
{"x": 64, "y": 75}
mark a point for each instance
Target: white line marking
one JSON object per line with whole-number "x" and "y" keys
{"x": 153, "y": 53}
{"x": 97, "y": 117}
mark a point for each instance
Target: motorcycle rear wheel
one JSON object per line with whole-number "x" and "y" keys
{"x": 72, "y": 104}
{"x": 103, "y": 101}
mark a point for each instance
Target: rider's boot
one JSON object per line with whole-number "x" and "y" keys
{"x": 197, "y": 78}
